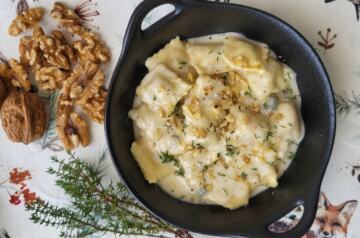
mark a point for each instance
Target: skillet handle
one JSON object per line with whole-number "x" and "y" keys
{"x": 145, "y": 7}
{"x": 303, "y": 226}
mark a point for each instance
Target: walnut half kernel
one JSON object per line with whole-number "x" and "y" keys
{"x": 73, "y": 131}
{"x": 50, "y": 78}
{"x": 25, "y": 20}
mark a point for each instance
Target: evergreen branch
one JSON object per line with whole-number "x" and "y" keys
{"x": 344, "y": 104}
{"x": 96, "y": 208}
{"x": 50, "y": 138}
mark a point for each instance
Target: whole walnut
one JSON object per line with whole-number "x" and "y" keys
{"x": 3, "y": 91}
{"x": 24, "y": 117}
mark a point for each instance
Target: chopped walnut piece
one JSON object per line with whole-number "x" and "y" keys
{"x": 95, "y": 107}
{"x": 50, "y": 78}
{"x": 25, "y": 20}
{"x": 85, "y": 82}
{"x": 65, "y": 16}
{"x": 72, "y": 130}
{"x": 20, "y": 76}
{"x": 226, "y": 124}
{"x": 90, "y": 47}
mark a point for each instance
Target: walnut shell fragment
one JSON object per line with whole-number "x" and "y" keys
{"x": 24, "y": 117}
{"x": 25, "y": 20}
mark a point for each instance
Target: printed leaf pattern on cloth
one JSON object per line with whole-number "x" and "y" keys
{"x": 327, "y": 41}
{"x": 16, "y": 183}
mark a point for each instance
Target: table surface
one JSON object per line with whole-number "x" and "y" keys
{"x": 332, "y": 28}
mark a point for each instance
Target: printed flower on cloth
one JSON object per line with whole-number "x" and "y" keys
{"x": 331, "y": 26}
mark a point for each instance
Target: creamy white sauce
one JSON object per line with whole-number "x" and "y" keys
{"x": 224, "y": 166}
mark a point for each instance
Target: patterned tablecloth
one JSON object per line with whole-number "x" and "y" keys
{"x": 332, "y": 27}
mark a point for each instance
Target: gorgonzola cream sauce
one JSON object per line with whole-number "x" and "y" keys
{"x": 217, "y": 119}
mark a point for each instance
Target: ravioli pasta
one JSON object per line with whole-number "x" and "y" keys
{"x": 216, "y": 119}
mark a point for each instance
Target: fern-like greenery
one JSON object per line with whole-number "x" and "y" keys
{"x": 96, "y": 208}
{"x": 344, "y": 104}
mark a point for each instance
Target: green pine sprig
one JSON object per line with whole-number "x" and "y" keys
{"x": 344, "y": 104}
{"x": 96, "y": 208}
{"x": 50, "y": 139}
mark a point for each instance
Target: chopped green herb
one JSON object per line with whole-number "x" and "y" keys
{"x": 154, "y": 98}
{"x": 221, "y": 174}
{"x": 291, "y": 142}
{"x": 291, "y": 156}
{"x": 211, "y": 51}
{"x": 244, "y": 175}
{"x": 248, "y": 92}
{"x": 205, "y": 168}
{"x": 197, "y": 146}
{"x": 290, "y": 124}
{"x": 269, "y": 135}
{"x": 165, "y": 157}
{"x": 288, "y": 75}
{"x": 254, "y": 169}
{"x": 231, "y": 150}
{"x": 182, "y": 62}
{"x": 225, "y": 191}
{"x": 177, "y": 110}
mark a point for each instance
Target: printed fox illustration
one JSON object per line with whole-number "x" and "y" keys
{"x": 331, "y": 220}
{"x": 356, "y": 4}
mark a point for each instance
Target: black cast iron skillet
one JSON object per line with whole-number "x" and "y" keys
{"x": 301, "y": 182}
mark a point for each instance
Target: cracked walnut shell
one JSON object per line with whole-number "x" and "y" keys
{"x": 72, "y": 130}
{"x": 24, "y": 117}
{"x": 25, "y": 20}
